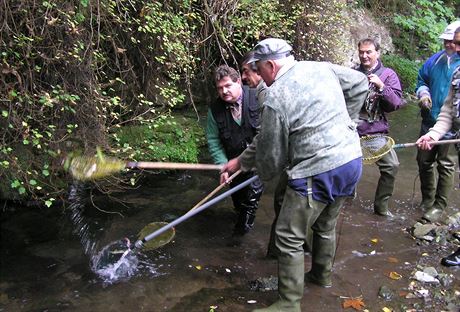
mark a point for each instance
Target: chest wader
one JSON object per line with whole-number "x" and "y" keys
{"x": 235, "y": 138}
{"x": 446, "y": 168}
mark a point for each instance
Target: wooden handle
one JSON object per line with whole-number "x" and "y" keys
{"x": 171, "y": 165}
{"x": 217, "y": 189}
{"x": 442, "y": 142}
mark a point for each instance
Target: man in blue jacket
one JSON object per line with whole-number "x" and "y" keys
{"x": 432, "y": 87}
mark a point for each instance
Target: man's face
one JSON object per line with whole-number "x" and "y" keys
{"x": 249, "y": 76}
{"x": 449, "y": 46}
{"x": 456, "y": 41}
{"x": 229, "y": 90}
{"x": 368, "y": 55}
{"x": 266, "y": 70}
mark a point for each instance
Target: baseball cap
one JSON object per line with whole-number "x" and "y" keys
{"x": 448, "y": 33}
{"x": 271, "y": 49}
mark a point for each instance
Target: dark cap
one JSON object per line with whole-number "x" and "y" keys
{"x": 271, "y": 49}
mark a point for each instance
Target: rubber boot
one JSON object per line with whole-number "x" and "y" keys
{"x": 322, "y": 257}
{"x": 433, "y": 214}
{"x": 452, "y": 260}
{"x": 427, "y": 179}
{"x": 245, "y": 221}
{"x": 446, "y": 172}
{"x": 388, "y": 166}
{"x": 290, "y": 285}
{"x": 272, "y": 250}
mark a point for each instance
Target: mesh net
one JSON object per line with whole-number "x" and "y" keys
{"x": 375, "y": 146}
{"x": 158, "y": 241}
{"x": 90, "y": 168}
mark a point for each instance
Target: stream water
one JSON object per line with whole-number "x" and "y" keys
{"x": 46, "y": 253}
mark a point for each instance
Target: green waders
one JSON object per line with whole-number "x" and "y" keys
{"x": 388, "y": 166}
{"x": 297, "y": 214}
{"x": 435, "y": 195}
{"x": 272, "y": 250}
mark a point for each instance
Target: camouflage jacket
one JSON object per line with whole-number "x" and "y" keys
{"x": 307, "y": 125}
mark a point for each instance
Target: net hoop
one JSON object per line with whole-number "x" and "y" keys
{"x": 375, "y": 147}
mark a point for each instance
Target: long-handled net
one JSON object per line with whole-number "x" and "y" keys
{"x": 85, "y": 168}
{"x": 375, "y": 147}
{"x": 119, "y": 260}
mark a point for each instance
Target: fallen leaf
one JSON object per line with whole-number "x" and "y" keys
{"x": 395, "y": 275}
{"x": 375, "y": 240}
{"x": 198, "y": 267}
{"x": 403, "y": 293}
{"x": 425, "y": 254}
{"x": 393, "y": 260}
{"x": 385, "y": 309}
{"x": 355, "y": 303}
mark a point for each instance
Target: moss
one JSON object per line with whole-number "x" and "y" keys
{"x": 174, "y": 139}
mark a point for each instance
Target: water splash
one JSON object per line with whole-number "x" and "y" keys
{"x": 115, "y": 262}
{"x": 81, "y": 226}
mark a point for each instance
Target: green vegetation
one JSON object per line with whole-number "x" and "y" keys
{"x": 81, "y": 74}
{"x": 407, "y": 70}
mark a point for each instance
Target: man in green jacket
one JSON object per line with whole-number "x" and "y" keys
{"x": 308, "y": 129}
{"x": 233, "y": 121}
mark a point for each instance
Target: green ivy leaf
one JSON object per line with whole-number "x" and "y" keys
{"x": 33, "y": 182}
{"x": 4, "y": 113}
{"x": 49, "y": 202}
{"x": 25, "y": 142}
{"x": 22, "y": 190}
{"x": 45, "y": 172}
{"x": 15, "y": 184}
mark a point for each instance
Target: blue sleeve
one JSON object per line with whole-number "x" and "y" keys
{"x": 423, "y": 78}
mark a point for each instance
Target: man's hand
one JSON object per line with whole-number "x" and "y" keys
{"x": 223, "y": 177}
{"x": 232, "y": 166}
{"x": 425, "y": 102}
{"x": 376, "y": 81}
{"x": 424, "y": 142}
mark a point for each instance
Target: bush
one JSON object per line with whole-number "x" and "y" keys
{"x": 407, "y": 70}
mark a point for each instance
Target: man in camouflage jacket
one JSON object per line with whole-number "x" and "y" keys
{"x": 307, "y": 129}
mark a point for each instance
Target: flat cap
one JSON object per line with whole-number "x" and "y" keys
{"x": 271, "y": 49}
{"x": 448, "y": 33}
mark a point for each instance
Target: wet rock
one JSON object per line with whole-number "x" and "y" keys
{"x": 445, "y": 279}
{"x": 420, "y": 230}
{"x": 452, "y": 220}
{"x": 264, "y": 284}
{"x": 386, "y": 293}
{"x": 431, "y": 271}
{"x": 424, "y": 277}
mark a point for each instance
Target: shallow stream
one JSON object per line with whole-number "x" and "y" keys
{"x": 45, "y": 261}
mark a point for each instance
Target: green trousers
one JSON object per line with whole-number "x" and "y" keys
{"x": 388, "y": 166}
{"x": 436, "y": 186}
{"x": 299, "y": 214}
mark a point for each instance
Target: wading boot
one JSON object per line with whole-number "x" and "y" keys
{"x": 322, "y": 256}
{"x": 433, "y": 214}
{"x": 388, "y": 167}
{"x": 245, "y": 221}
{"x": 452, "y": 260}
{"x": 427, "y": 184}
{"x": 290, "y": 285}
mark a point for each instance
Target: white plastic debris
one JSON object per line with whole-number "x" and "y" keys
{"x": 252, "y": 301}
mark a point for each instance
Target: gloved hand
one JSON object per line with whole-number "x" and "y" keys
{"x": 425, "y": 102}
